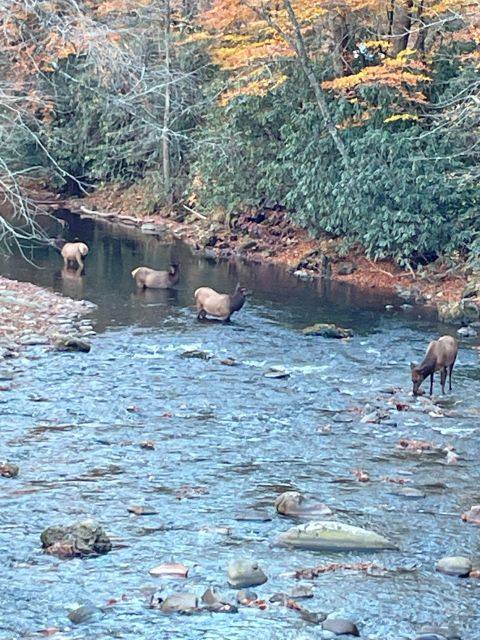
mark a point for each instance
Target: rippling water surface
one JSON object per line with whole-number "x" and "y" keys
{"x": 227, "y": 440}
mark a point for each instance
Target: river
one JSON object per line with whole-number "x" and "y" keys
{"x": 228, "y": 440}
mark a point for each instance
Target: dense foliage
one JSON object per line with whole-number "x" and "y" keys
{"x": 237, "y": 104}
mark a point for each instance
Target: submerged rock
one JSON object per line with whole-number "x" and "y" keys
{"x": 81, "y": 538}
{"x": 85, "y": 613}
{"x": 276, "y": 372}
{"x": 454, "y": 565}
{"x": 196, "y": 353}
{"x": 70, "y": 343}
{"x": 340, "y": 627}
{"x": 293, "y": 503}
{"x": 333, "y": 536}
{"x": 327, "y": 331}
{"x": 245, "y": 573}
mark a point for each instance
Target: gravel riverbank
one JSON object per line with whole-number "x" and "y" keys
{"x": 31, "y": 315}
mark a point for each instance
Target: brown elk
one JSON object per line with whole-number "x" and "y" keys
{"x": 219, "y": 305}
{"x": 440, "y": 356}
{"x": 147, "y": 278}
{"x": 71, "y": 252}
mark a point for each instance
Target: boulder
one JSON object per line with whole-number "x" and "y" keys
{"x": 245, "y": 573}
{"x": 327, "y": 331}
{"x": 333, "y": 536}
{"x": 346, "y": 268}
{"x": 79, "y": 539}
{"x": 70, "y": 343}
{"x": 85, "y": 613}
{"x": 454, "y": 566}
{"x": 340, "y": 627}
{"x": 293, "y": 503}
{"x": 460, "y": 312}
{"x": 9, "y": 470}
{"x": 179, "y": 603}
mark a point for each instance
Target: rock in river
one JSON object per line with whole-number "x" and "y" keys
{"x": 245, "y": 573}
{"x": 293, "y": 503}
{"x": 81, "y": 538}
{"x": 70, "y": 343}
{"x": 340, "y": 627}
{"x": 179, "y": 603}
{"x": 9, "y": 470}
{"x": 454, "y": 566}
{"x": 327, "y": 331}
{"x": 333, "y": 536}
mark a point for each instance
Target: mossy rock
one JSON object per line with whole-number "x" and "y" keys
{"x": 327, "y": 331}
{"x": 458, "y": 312}
{"x": 71, "y": 343}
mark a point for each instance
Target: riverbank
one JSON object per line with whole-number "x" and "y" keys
{"x": 267, "y": 236}
{"x": 31, "y": 315}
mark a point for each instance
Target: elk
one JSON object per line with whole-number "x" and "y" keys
{"x": 147, "y": 278}
{"x": 440, "y": 356}
{"x": 219, "y": 305}
{"x": 71, "y": 252}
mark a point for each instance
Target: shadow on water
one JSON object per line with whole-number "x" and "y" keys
{"x": 226, "y": 440}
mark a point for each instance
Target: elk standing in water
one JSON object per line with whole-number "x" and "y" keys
{"x": 219, "y": 305}
{"x": 71, "y": 252}
{"x": 440, "y": 356}
{"x": 147, "y": 278}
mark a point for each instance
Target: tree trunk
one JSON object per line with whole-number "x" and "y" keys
{"x": 167, "y": 182}
{"x": 299, "y": 47}
{"x": 340, "y": 34}
{"x": 402, "y": 24}
{"x": 423, "y": 28}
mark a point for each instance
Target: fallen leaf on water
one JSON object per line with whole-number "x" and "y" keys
{"x": 259, "y": 604}
{"x": 314, "y": 572}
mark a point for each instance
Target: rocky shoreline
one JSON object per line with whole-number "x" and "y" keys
{"x": 31, "y": 315}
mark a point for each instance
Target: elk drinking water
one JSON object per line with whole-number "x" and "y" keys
{"x": 147, "y": 278}
{"x": 440, "y": 356}
{"x": 219, "y": 305}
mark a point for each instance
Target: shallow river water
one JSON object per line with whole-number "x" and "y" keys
{"x": 228, "y": 440}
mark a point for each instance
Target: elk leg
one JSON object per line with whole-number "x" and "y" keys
{"x": 443, "y": 377}
{"x": 450, "y": 369}
{"x": 201, "y": 314}
{"x": 431, "y": 384}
